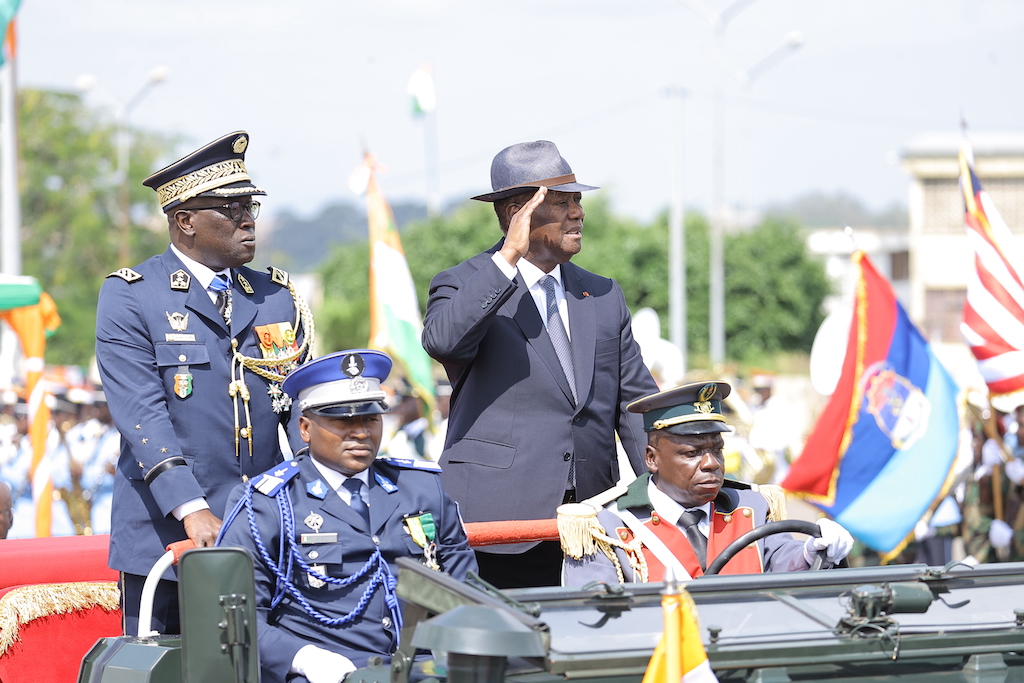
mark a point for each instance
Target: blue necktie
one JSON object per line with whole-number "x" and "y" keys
{"x": 221, "y": 284}
{"x": 356, "y": 502}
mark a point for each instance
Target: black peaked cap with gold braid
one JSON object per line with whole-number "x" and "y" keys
{"x": 694, "y": 408}
{"x": 215, "y": 170}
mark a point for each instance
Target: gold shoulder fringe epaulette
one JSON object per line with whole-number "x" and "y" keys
{"x": 776, "y": 499}
{"x": 126, "y": 274}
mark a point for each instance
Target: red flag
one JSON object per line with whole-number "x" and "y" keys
{"x": 993, "y": 320}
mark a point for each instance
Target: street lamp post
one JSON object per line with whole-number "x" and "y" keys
{"x": 716, "y": 285}
{"x": 677, "y": 229}
{"x": 122, "y": 112}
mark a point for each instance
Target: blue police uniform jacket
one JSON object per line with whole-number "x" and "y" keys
{"x": 394, "y": 493}
{"x": 178, "y": 448}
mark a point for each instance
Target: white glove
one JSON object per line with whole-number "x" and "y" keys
{"x": 321, "y": 666}
{"x": 991, "y": 453}
{"x": 1014, "y": 469}
{"x": 1000, "y": 534}
{"x": 991, "y": 457}
{"x": 834, "y": 540}
{"x": 923, "y": 530}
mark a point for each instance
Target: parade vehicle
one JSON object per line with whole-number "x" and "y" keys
{"x": 892, "y": 623}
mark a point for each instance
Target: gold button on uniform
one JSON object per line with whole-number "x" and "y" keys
{"x": 727, "y": 518}
{"x": 747, "y": 512}
{"x": 182, "y": 358}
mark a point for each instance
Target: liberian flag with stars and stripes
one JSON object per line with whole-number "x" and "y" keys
{"x": 993, "y": 321}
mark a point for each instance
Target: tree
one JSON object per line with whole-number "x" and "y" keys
{"x": 69, "y": 209}
{"x": 774, "y": 289}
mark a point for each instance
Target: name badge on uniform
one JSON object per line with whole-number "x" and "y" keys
{"x": 183, "y": 382}
{"x": 423, "y": 530}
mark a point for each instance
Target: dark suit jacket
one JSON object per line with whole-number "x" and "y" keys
{"x": 513, "y": 427}
{"x": 138, "y": 361}
{"x": 284, "y": 630}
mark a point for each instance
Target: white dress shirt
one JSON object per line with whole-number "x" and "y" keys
{"x": 530, "y": 276}
{"x": 669, "y": 510}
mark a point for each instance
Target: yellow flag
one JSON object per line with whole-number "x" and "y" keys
{"x": 679, "y": 656}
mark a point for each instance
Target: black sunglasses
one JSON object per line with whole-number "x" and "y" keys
{"x": 234, "y": 210}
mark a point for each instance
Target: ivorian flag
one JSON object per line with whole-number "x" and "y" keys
{"x": 679, "y": 656}
{"x": 882, "y": 452}
{"x": 395, "y": 321}
{"x": 33, "y": 324}
{"x": 993, "y": 320}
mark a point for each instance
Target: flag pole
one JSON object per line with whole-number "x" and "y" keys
{"x": 10, "y": 202}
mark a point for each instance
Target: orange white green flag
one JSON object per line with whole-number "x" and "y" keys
{"x": 679, "y": 656}
{"x": 395, "y": 320}
{"x": 33, "y": 324}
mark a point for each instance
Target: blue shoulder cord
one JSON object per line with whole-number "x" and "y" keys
{"x": 382, "y": 576}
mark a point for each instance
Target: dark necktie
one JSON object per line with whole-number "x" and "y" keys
{"x": 556, "y": 331}
{"x": 222, "y": 286}
{"x": 356, "y": 502}
{"x": 688, "y": 522}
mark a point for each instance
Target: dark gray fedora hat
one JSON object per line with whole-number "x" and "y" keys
{"x": 528, "y": 166}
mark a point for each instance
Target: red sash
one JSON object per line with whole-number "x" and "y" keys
{"x": 725, "y": 528}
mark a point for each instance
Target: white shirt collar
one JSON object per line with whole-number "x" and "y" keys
{"x": 669, "y": 510}
{"x": 531, "y": 274}
{"x": 335, "y": 479}
{"x": 202, "y": 274}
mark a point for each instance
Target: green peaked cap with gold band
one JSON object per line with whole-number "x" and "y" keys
{"x": 694, "y": 408}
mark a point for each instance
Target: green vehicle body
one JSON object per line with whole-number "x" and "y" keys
{"x": 897, "y": 623}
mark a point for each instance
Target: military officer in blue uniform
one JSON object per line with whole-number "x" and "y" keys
{"x": 325, "y": 527}
{"x": 192, "y": 348}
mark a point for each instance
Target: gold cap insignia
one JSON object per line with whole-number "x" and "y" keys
{"x": 706, "y": 392}
{"x": 180, "y": 280}
{"x": 240, "y": 143}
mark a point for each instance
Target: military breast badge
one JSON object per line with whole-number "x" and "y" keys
{"x": 183, "y": 382}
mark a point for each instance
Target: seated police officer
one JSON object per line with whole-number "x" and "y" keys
{"x": 683, "y": 512}
{"x": 325, "y": 527}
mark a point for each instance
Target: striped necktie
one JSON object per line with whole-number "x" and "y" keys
{"x": 222, "y": 286}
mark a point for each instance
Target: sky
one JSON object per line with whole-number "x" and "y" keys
{"x": 315, "y": 82}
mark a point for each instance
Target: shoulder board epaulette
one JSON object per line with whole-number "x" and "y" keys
{"x": 278, "y": 276}
{"x": 126, "y": 274}
{"x": 410, "y": 464}
{"x": 274, "y": 479}
{"x": 607, "y": 496}
{"x": 733, "y": 484}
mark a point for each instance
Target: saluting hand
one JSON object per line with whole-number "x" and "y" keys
{"x": 202, "y": 528}
{"x": 517, "y": 241}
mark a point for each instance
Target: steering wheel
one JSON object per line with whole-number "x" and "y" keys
{"x": 757, "y": 533}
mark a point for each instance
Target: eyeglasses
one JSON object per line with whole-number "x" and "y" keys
{"x": 234, "y": 210}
